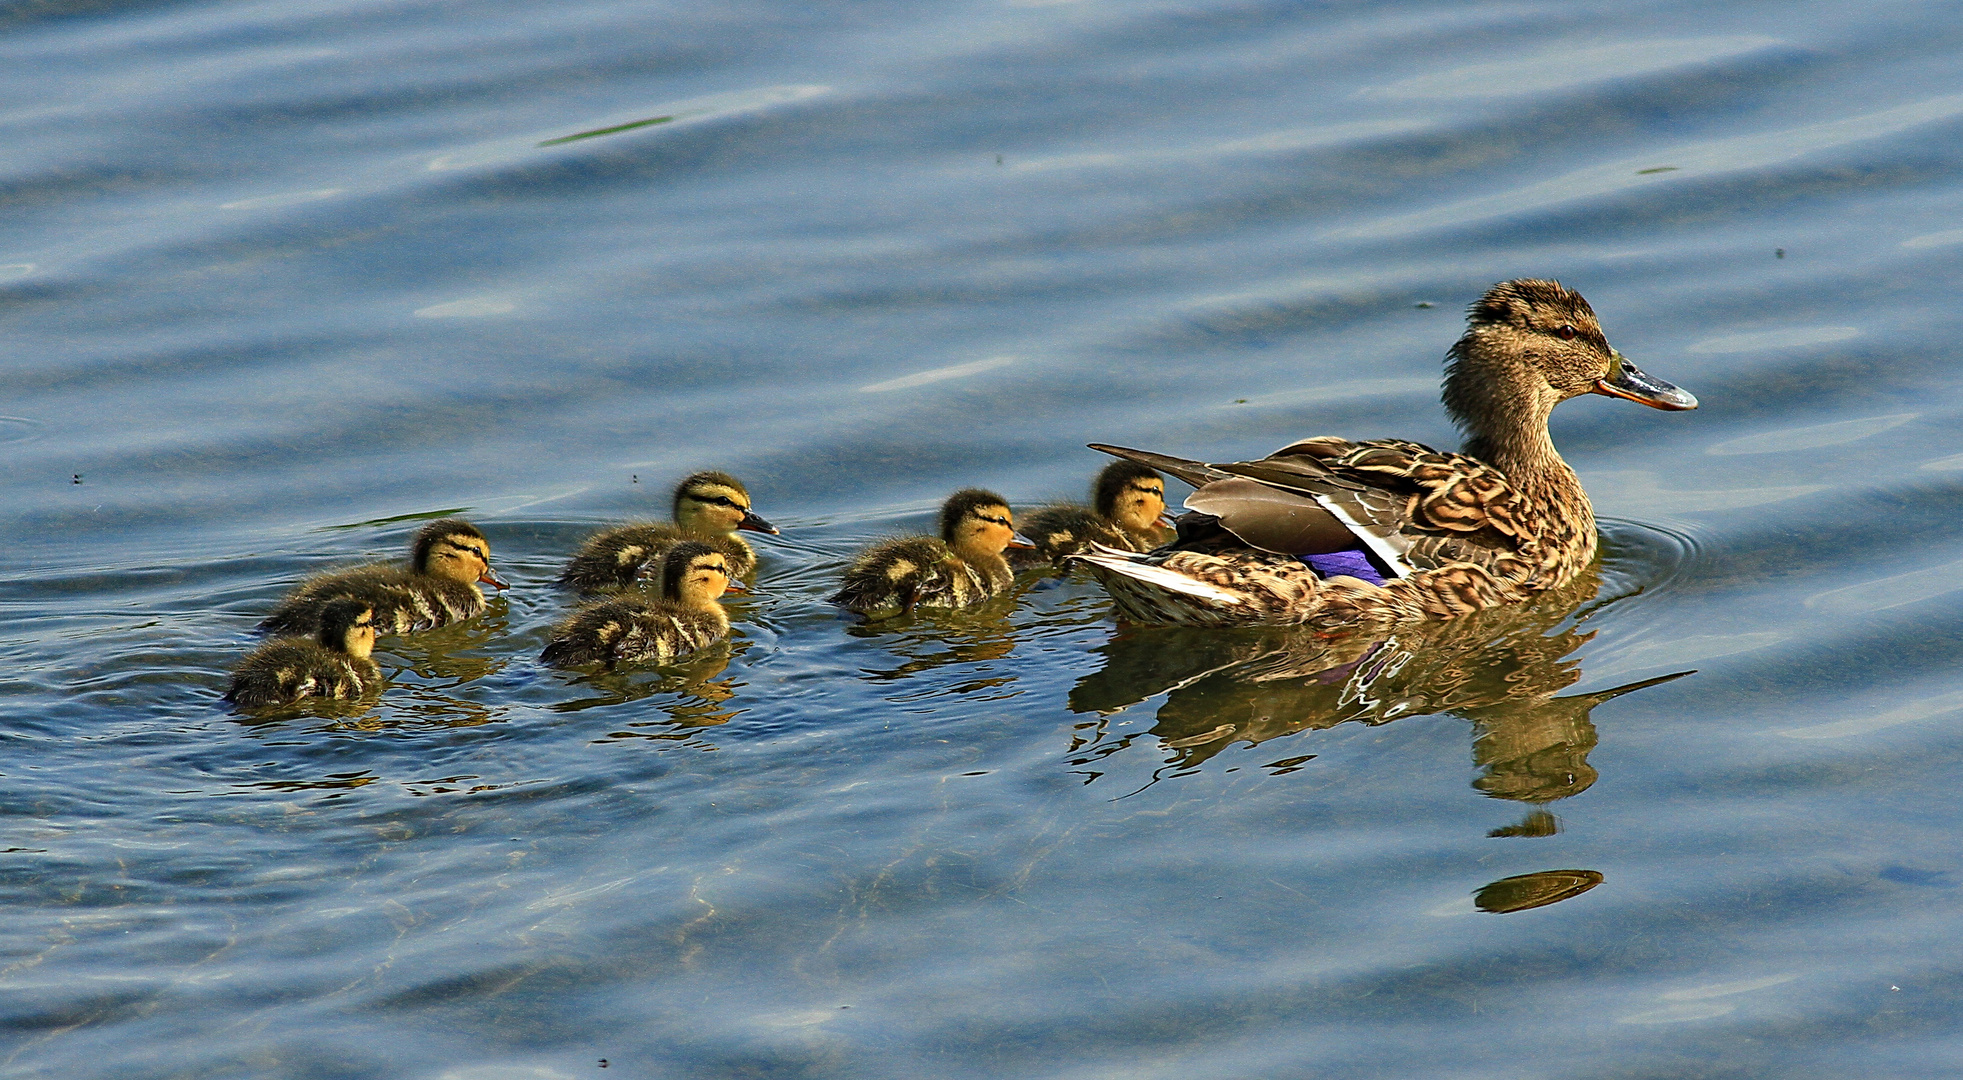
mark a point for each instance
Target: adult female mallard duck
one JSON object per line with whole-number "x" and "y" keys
{"x": 709, "y": 508}
{"x": 334, "y": 664}
{"x": 963, "y": 566}
{"x": 447, "y": 560}
{"x": 1128, "y": 501}
{"x": 631, "y": 628}
{"x": 1329, "y": 533}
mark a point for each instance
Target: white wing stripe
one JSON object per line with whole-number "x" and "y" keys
{"x": 1171, "y": 580}
{"x": 1378, "y": 545}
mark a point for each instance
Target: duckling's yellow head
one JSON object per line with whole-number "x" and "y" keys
{"x": 347, "y": 625}
{"x": 453, "y": 548}
{"x": 716, "y": 504}
{"x": 694, "y": 575}
{"x": 1530, "y": 345}
{"x": 974, "y": 521}
{"x": 1130, "y": 494}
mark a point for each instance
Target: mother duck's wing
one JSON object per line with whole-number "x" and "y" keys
{"x": 1413, "y": 507}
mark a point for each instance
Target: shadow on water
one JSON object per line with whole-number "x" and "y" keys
{"x": 1500, "y": 669}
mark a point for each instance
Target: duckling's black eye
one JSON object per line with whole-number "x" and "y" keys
{"x": 1567, "y": 333}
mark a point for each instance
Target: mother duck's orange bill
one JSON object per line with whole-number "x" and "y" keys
{"x": 1626, "y": 380}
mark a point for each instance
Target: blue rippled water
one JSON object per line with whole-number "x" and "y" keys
{"x": 278, "y": 281}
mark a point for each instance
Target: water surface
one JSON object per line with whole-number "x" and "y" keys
{"x": 279, "y": 281}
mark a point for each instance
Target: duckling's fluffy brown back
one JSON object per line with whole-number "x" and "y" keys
{"x": 915, "y": 571}
{"x": 633, "y": 629}
{"x": 289, "y": 669}
{"x": 1068, "y": 529}
{"x": 404, "y": 601}
{"x": 616, "y": 558}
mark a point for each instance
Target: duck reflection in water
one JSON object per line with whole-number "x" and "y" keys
{"x": 429, "y": 669}
{"x": 930, "y": 639}
{"x": 693, "y": 693}
{"x": 451, "y": 656}
{"x": 1500, "y": 668}
{"x": 405, "y": 705}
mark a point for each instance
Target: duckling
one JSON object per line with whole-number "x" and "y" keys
{"x": 447, "y": 561}
{"x": 334, "y": 664}
{"x": 963, "y": 566}
{"x": 709, "y": 507}
{"x": 630, "y": 628}
{"x": 1127, "y": 512}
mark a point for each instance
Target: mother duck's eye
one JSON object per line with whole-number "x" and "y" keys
{"x": 1567, "y": 333}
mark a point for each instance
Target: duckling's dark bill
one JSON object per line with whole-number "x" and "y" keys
{"x": 1631, "y": 383}
{"x": 756, "y": 524}
{"x": 488, "y": 578}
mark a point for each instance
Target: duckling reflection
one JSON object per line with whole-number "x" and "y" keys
{"x": 1525, "y": 892}
{"x": 694, "y": 693}
{"x": 444, "y": 659}
{"x": 420, "y": 707}
{"x": 937, "y": 638}
{"x": 1499, "y": 668}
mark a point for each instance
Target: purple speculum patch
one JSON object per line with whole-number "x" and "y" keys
{"x": 1355, "y": 562}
